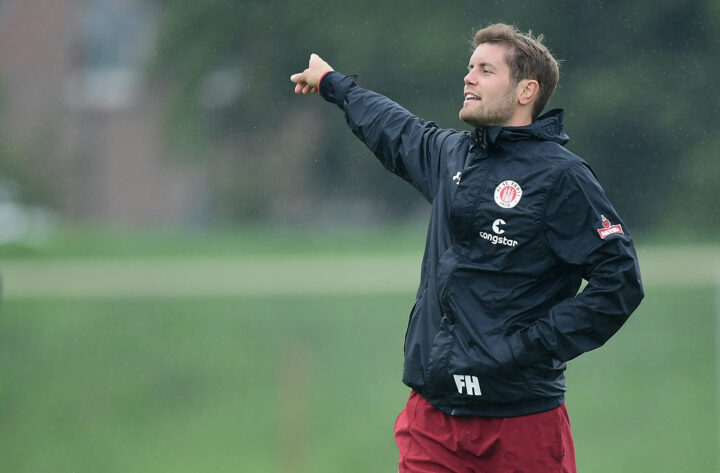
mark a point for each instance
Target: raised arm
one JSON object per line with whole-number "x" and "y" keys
{"x": 405, "y": 144}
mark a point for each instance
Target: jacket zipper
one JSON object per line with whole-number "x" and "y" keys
{"x": 480, "y": 140}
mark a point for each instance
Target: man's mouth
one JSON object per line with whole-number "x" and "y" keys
{"x": 469, "y": 97}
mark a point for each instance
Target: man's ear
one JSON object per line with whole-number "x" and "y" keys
{"x": 527, "y": 90}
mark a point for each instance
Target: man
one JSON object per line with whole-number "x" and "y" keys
{"x": 517, "y": 222}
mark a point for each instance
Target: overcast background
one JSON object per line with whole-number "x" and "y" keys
{"x": 181, "y": 114}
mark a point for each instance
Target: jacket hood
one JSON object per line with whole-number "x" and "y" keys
{"x": 547, "y": 127}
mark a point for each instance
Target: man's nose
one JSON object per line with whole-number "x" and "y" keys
{"x": 468, "y": 79}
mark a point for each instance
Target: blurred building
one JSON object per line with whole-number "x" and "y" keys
{"x": 78, "y": 113}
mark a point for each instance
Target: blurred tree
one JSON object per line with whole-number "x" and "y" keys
{"x": 20, "y": 177}
{"x": 635, "y": 79}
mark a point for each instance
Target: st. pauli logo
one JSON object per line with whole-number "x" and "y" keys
{"x": 508, "y": 194}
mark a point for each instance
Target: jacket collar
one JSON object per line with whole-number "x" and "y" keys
{"x": 547, "y": 127}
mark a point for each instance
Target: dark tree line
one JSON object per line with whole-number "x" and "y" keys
{"x": 637, "y": 83}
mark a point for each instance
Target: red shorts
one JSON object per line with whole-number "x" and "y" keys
{"x": 431, "y": 441}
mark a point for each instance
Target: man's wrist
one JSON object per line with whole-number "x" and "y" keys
{"x": 526, "y": 348}
{"x": 321, "y": 77}
{"x": 335, "y": 86}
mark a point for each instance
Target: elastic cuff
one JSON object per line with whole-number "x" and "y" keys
{"x": 321, "y": 78}
{"x": 335, "y": 86}
{"x": 522, "y": 349}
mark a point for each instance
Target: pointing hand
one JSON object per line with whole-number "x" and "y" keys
{"x": 307, "y": 80}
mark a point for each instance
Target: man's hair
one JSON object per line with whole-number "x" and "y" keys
{"x": 527, "y": 57}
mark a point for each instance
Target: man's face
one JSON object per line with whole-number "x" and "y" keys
{"x": 489, "y": 94}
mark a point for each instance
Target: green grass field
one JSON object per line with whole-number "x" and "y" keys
{"x": 206, "y": 368}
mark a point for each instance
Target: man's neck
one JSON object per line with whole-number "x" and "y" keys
{"x": 519, "y": 118}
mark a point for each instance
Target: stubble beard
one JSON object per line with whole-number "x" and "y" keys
{"x": 498, "y": 115}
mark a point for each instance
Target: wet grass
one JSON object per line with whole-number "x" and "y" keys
{"x": 258, "y": 383}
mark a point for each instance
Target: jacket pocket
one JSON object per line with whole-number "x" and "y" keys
{"x": 545, "y": 374}
{"x": 413, "y": 313}
{"x": 410, "y": 321}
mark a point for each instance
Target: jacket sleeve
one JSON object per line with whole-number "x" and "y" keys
{"x": 405, "y": 144}
{"x": 583, "y": 230}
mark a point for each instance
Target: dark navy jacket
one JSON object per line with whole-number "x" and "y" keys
{"x": 517, "y": 222}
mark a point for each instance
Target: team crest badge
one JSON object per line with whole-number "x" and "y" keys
{"x": 508, "y": 194}
{"x": 608, "y": 228}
